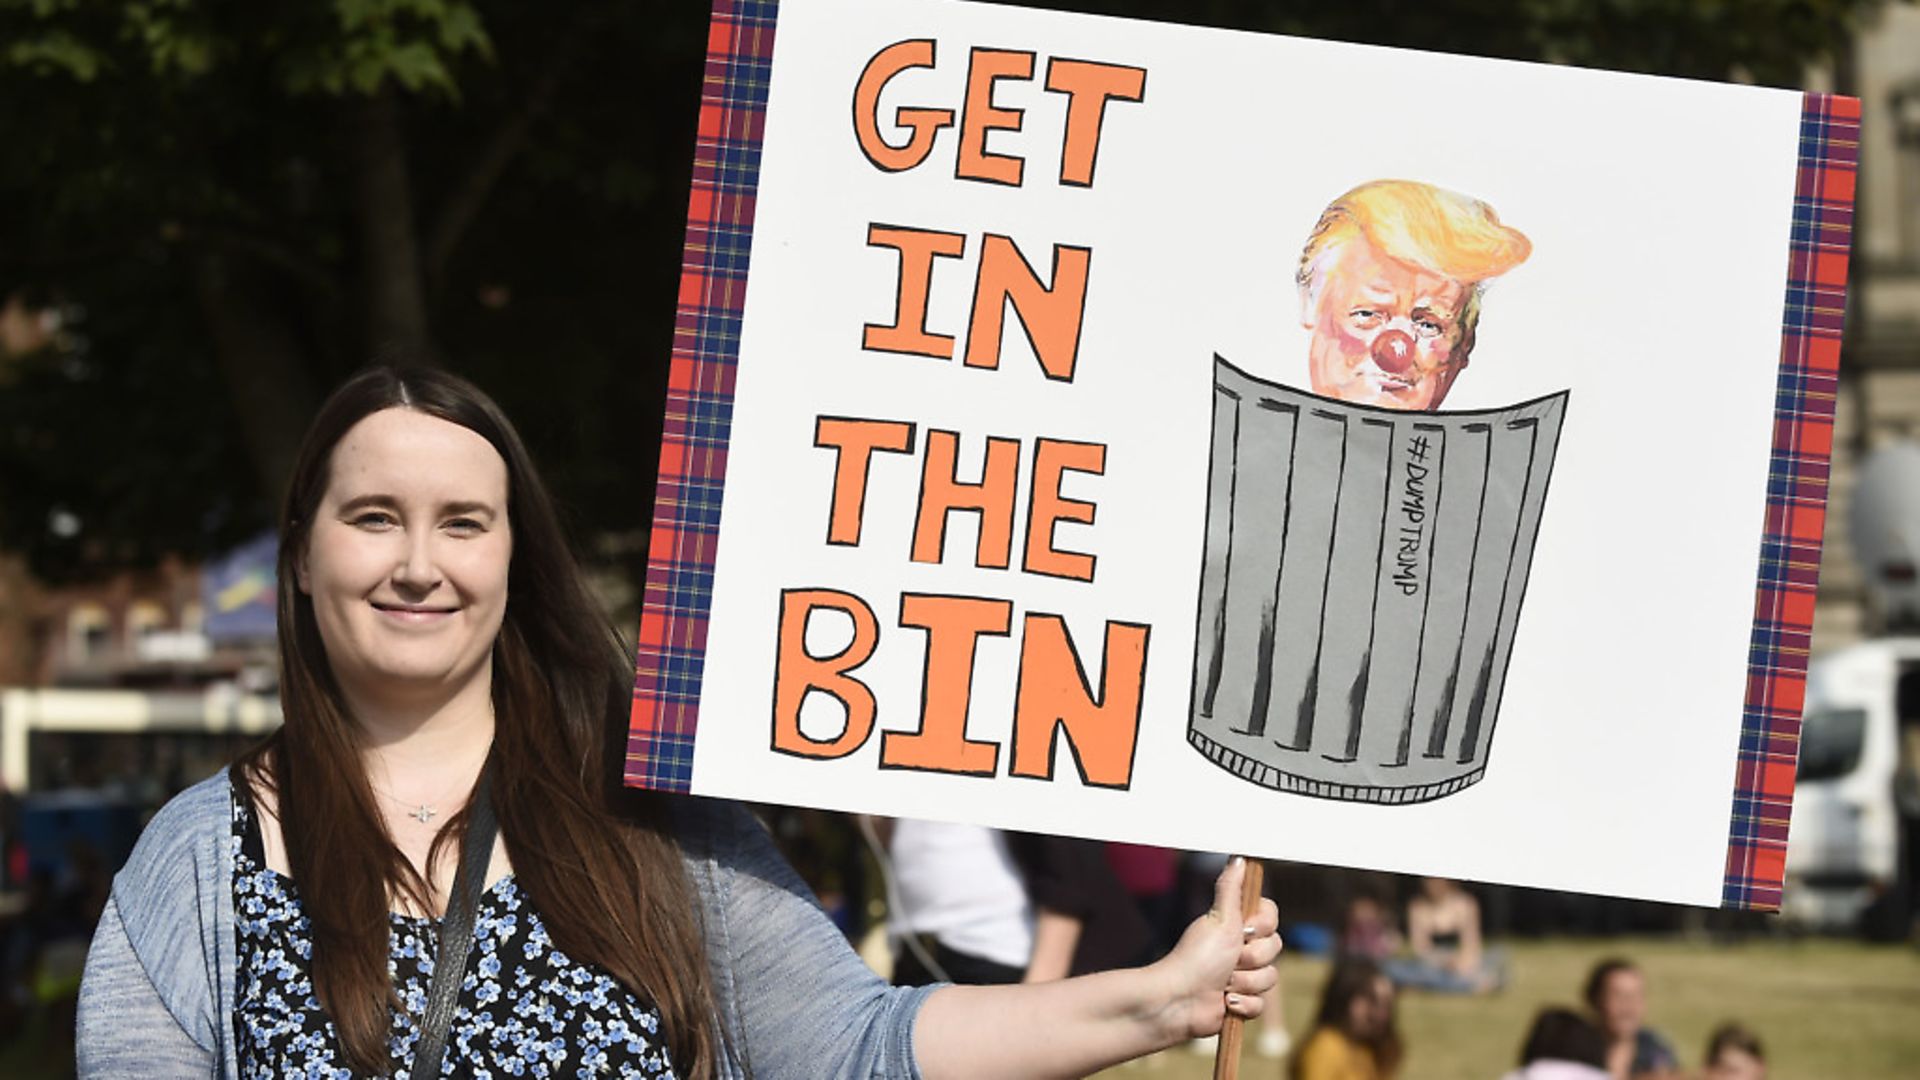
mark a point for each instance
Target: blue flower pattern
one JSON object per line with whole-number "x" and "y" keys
{"x": 526, "y": 1009}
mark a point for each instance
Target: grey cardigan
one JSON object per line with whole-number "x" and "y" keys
{"x": 158, "y": 993}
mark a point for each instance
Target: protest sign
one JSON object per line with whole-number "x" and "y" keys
{"x": 1224, "y": 441}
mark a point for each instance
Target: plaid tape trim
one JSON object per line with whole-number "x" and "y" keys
{"x": 1796, "y": 502}
{"x": 699, "y": 411}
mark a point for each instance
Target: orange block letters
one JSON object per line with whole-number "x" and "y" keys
{"x": 1089, "y": 86}
{"x": 853, "y": 443}
{"x": 798, "y": 673}
{"x": 925, "y": 123}
{"x": 1055, "y": 696}
{"x": 980, "y": 116}
{"x": 953, "y": 625}
{"x": 1051, "y": 314}
{"x": 1051, "y": 457}
{"x": 918, "y": 248}
{"x": 942, "y": 493}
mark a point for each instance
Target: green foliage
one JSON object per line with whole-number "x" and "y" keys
{"x": 336, "y": 48}
{"x": 224, "y": 130}
{"x": 176, "y": 41}
{"x": 54, "y": 51}
{"x": 169, "y": 138}
{"x": 411, "y": 42}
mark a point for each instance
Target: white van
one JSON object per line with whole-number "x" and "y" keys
{"x": 1847, "y": 859}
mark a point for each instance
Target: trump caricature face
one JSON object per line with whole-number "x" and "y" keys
{"x": 1385, "y": 332}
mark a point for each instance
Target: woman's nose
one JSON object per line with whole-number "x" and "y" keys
{"x": 1393, "y": 351}
{"x": 416, "y": 568}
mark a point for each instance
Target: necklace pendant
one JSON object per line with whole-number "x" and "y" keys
{"x": 423, "y": 815}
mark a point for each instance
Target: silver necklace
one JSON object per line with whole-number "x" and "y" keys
{"x": 421, "y": 812}
{"x": 424, "y": 813}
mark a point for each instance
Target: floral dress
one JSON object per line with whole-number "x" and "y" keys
{"x": 525, "y": 1009}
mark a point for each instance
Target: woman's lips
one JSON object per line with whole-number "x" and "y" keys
{"x": 414, "y": 613}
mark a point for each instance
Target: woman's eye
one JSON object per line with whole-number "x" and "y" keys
{"x": 374, "y": 519}
{"x": 465, "y": 526}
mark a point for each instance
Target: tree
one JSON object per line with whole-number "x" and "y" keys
{"x": 235, "y": 204}
{"x": 239, "y": 203}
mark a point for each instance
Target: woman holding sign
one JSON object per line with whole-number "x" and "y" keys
{"x": 429, "y": 871}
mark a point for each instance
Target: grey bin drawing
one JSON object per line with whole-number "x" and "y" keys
{"x": 1362, "y": 582}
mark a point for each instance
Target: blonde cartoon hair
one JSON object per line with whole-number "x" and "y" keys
{"x": 1432, "y": 228}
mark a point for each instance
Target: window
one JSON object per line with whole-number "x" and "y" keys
{"x": 143, "y": 618}
{"x": 89, "y": 632}
{"x": 1830, "y": 743}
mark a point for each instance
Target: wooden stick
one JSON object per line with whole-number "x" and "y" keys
{"x": 1226, "y": 1056}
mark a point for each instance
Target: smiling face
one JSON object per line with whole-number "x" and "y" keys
{"x": 407, "y": 560}
{"x": 1385, "y": 332}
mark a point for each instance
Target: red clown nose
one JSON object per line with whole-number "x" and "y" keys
{"x": 1393, "y": 351}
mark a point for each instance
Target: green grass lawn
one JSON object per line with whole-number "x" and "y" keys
{"x": 1827, "y": 1010}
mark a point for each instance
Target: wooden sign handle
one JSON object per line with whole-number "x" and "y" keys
{"x": 1226, "y": 1057}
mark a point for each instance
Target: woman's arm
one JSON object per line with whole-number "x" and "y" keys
{"x": 124, "y": 1029}
{"x": 1467, "y": 963}
{"x": 794, "y": 999}
{"x": 1420, "y": 929}
{"x": 1078, "y": 1026}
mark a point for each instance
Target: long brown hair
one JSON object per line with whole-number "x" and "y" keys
{"x": 609, "y": 886}
{"x": 1354, "y": 977}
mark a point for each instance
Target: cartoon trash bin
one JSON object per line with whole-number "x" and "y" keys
{"x": 1363, "y": 576}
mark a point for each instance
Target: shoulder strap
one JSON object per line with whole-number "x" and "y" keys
{"x": 456, "y": 929}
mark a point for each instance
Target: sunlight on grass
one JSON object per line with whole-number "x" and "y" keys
{"x": 1824, "y": 1008}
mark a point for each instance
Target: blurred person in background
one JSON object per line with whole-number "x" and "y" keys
{"x": 1734, "y": 1053}
{"x": 978, "y": 906}
{"x": 1367, "y": 930}
{"x": 441, "y": 656}
{"x": 1562, "y": 1045}
{"x": 1084, "y": 920}
{"x": 1617, "y": 994}
{"x": 1151, "y": 875}
{"x": 959, "y": 910}
{"x": 1354, "y": 1035}
{"x": 1443, "y": 934}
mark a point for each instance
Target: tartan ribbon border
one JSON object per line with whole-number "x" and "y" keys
{"x": 1811, "y": 325}
{"x": 670, "y": 654}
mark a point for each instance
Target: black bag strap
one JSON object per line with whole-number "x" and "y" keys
{"x": 456, "y": 929}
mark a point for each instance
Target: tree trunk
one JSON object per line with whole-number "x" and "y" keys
{"x": 265, "y": 367}
{"x": 397, "y": 324}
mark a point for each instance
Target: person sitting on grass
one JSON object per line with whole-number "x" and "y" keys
{"x": 1367, "y": 930}
{"x": 1734, "y": 1053}
{"x": 1617, "y": 994}
{"x": 1562, "y": 1045}
{"x": 1443, "y": 932}
{"x": 1354, "y": 1035}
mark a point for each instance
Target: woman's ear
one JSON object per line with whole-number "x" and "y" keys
{"x": 300, "y": 577}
